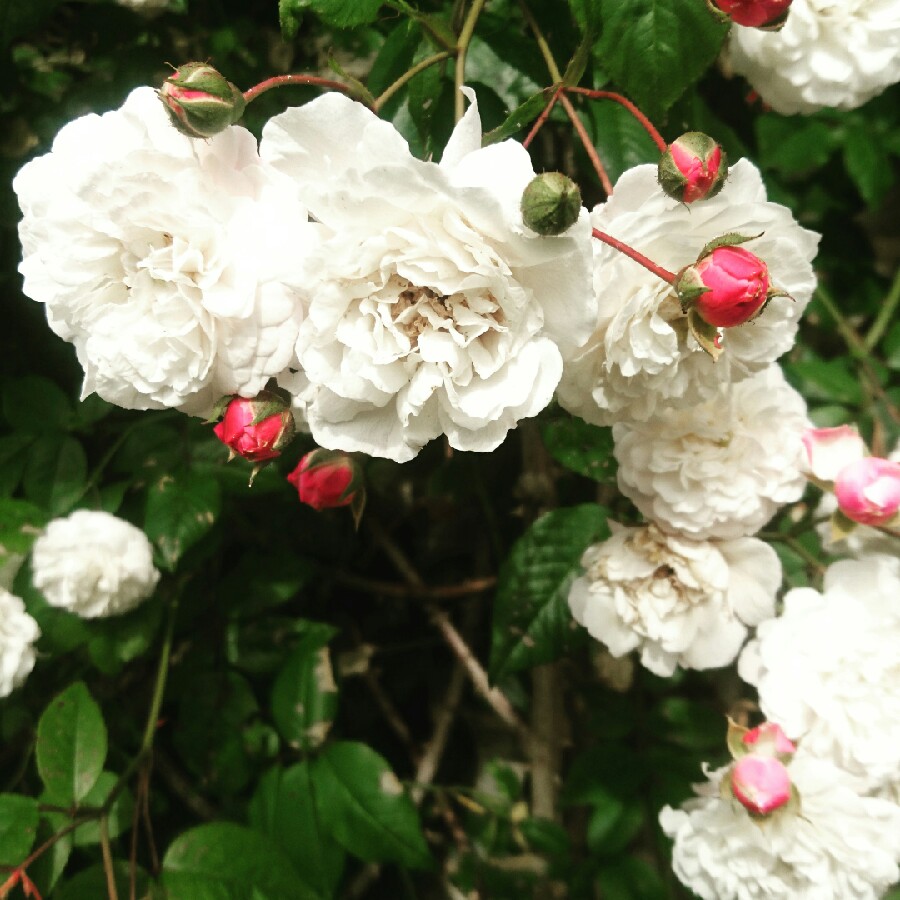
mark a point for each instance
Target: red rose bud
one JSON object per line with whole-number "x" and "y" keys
{"x": 256, "y": 429}
{"x": 328, "y": 478}
{"x": 200, "y": 101}
{"x": 736, "y": 283}
{"x": 693, "y": 168}
{"x": 761, "y": 783}
{"x": 752, "y": 13}
{"x": 868, "y": 491}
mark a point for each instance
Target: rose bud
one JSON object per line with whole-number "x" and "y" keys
{"x": 769, "y": 740}
{"x": 828, "y": 450}
{"x": 256, "y": 429}
{"x": 551, "y": 203}
{"x": 329, "y": 478}
{"x": 761, "y": 783}
{"x": 693, "y": 168}
{"x": 868, "y": 490}
{"x": 200, "y": 101}
{"x": 736, "y": 283}
{"x": 752, "y": 13}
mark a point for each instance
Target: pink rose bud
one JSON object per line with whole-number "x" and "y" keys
{"x": 769, "y": 739}
{"x": 256, "y": 429}
{"x": 828, "y": 450}
{"x": 200, "y": 101}
{"x": 753, "y": 13}
{"x": 693, "y": 168}
{"x": 738, "y": 286}
{"x": 761, "y": 783}
{"x": 325, "y": 479}
{"x": 868, "y": 490}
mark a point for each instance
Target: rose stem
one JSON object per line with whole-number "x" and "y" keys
{"x": 649, "y": 127}
{"x": 545, "y": 114}
{"x": 281, "y": 80}
{"x": 588, "y": 146}
{"x": 630, "y": 252}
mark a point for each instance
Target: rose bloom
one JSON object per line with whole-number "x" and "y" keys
{"x": 837, "y": 54}
{"x": 836, "y": 845}
{"x": 94, "y": 564}
{"x": 18, "y": 634}
{"x": 721, "y": 469}
{"x": 439, "y": 312}
{"x": 641, "y": 357}
{"x": 677, "y": 601}
{"x": 827, "y": 669}
{"x": 174, "y": 266}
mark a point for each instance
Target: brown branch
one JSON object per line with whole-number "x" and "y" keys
{"x": 407, "y": 591}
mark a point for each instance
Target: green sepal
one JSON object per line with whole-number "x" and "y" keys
{"x": 732, "y": 239}
{"x": 358, "y": 90}
{"x": 706, "y": 335}
{"x": 735, "y": 739}
{"x": 841, "y": 525}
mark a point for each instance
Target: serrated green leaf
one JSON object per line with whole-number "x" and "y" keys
{"x": 338, "y": 13}
{"x": 18, "y": 827}
{"x": 181, "y": 508}
{"x": 655, "y": 49}
{"x": 56, "y": 473}
{"x": 621, "y": 141}
{"x": 365, "y": 808}
{"x": 285, "y": 807}
{"x": 224, "y": 861}
{"x": 583, "y": 448}
{"x": 71, "y": 746}
{"x": 532, "y": 622}
{"x": 305, "y": 696}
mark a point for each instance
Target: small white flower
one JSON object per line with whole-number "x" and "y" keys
{"x": 438, "y": 312}
{"x": 678, "y": 601}
{"x": 835, "y": 53}
{"x": 828, "y": 671}
{"x": 722, "y": 468}
{"x": 171, "y": 264}
{"x": 18, "y": 633}
{"x": 837, "y": 845}
{"x": 641, "y": 357}
{"x": 94, "y": 564}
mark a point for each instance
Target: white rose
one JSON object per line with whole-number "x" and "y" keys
{"x": 94, "y": 564}
{"x": 829, "y": 53}
{"x": 641, "y": 357}
{"x": 171, "y": 264}
{"x": 827, "y": 669}
{"x": 18, "y": 633}
{"x": 439, "y": 313}
{"x": 678, "y": 601}
{"x": 720, "y": 469}
{"x": 837, "y": 845}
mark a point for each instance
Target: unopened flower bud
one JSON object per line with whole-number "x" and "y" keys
{"x": 329, "y": 478}
{"x": 828, "y": 450}
{"x": 761, "y": 783}
{"x": 693, "y": 168}
{"x": 768, "y": 739}
{"x": 770, "y": 14}
{"x": 200, "y": 101}
{"x": 256, "y": 429}
{"x": 868, "y": 491}
{"x": 551, "y": 203}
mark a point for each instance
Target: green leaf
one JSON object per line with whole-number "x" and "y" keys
{"x": 867, "y": 162}
{"x": 13, "y": 459}
{"x": 36, "y": 405}
{"x": 588, "y": 14}
{"x": 55, "y": 473}
{"x": 181, "y": 509}
{"x": 91, "y": 884}
{"x": 304, "y": 696}
{"x": 71, "y": 746}
{"x": 286, "y": 808}
{"x": 621, "y": 141}
{"x": 364, "y": 806}
{"x": 20, "y": 524}
{"x": 794, "y": 147}
{"x": 224, "y": 861}
{"x": 18, "y": 18}
{"x": 47, "y": 869}
{"x": 655, "y": 49}
{"x": 583, "y": 448}
{"x": 517, "y": 119}
{"x": 338, "y": 13}
{"x": 18, "y": 826}
{"x": 395, "y": 56}
{"x": 120, "y": 813}
{"x": 532, "y": 622}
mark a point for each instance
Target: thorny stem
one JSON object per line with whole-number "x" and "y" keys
{"x": 542, "y": 118}
{"x": 631, "y": 253}
{"x": 649, "y": 127}
{"x": 587, "y": 144}
{"x": 462, "y": 47}
{"x": 421, "y": 66}
{"x": 281, "y": 80}
{"x": 885, "y": 314}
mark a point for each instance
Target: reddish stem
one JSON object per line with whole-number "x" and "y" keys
{"x": 280, "y": 80}
{"x": 545, "y": 114}
{"x": 630, "y": 252}
{"x": 624, "y": 101}
{"x": 586, "y": 142}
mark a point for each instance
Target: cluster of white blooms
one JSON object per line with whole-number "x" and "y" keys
{"x": 18, "y": 633}
{"x": 834, "y": 53}
{"x": 94, "y": 564}
{"x": 836, "y": 845}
